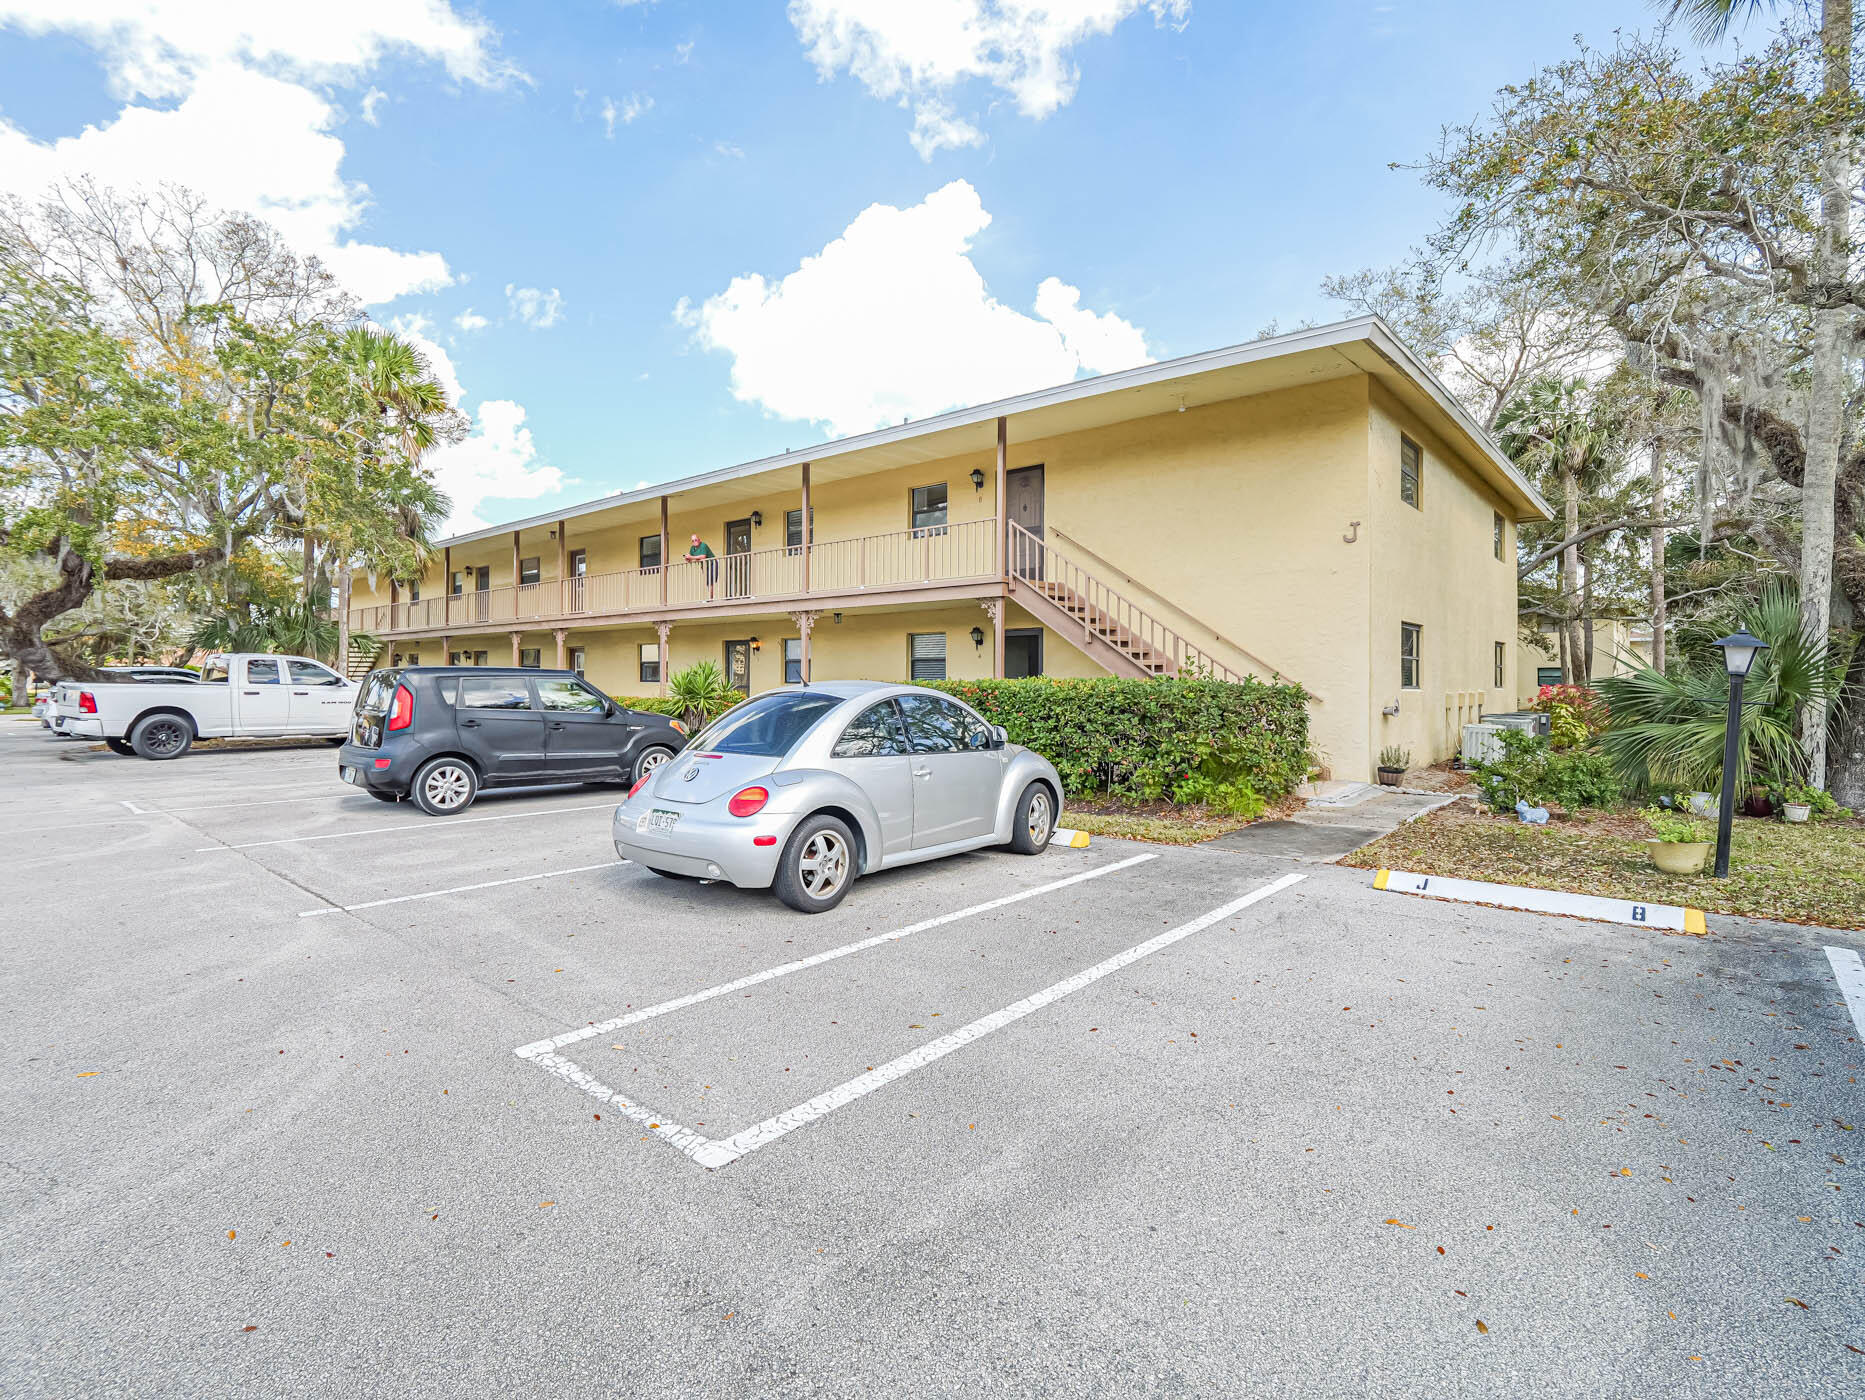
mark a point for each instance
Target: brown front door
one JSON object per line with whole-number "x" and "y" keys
{"x": 737, "y": 559}
{"x": 1023, "y": 502}
{"x": 738, "y": 666}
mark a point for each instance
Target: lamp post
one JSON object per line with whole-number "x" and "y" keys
{"x": 1739, "y": 652}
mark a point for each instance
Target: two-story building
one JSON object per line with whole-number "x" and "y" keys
{"x": 1314, "y": 506}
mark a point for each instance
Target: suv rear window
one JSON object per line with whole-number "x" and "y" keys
{"x": 767, "y": 727}
{"x": 377, "y": 690}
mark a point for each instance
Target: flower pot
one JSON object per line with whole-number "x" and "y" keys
{"x": 1759, "y": 804}
{"x": 1679, "y": 857}
{"x": 1389, "y": 777}
{"x": 1702, "y": 804}
{"x": 1796, "y": 811}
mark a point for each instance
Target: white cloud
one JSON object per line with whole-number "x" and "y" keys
{"x": 246, "y": 141}
{"x": 237, "y": 122}
{"x": 156, "y": 48}
{"x": 537, "y": 308}
{"x": 892, "y": 320}
{"x": 916, "y": 53}
{"x": 626, "y": 111}
{"x": 683, "y": 51}
{"x": 470, "y": 320}
{"x": 498, "y": 462}
{"x": 728, "y": 150}
{"x": 372, "y": 101}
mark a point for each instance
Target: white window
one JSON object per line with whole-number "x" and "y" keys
{"x": 926, "y": 656}
{"x": 928, "y": 508}
{"x": 1411, "y": 473}
{"x": 793, "y": 660}
{"x": 1411, "y": 660}
{"x": 650, "y": 663}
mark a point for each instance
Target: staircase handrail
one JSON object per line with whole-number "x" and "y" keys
{"x": 1256, "y": 662}
{"x": 1028, "y": 551}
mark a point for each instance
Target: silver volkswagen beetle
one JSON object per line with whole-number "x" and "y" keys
{"x": 802, "y": 789}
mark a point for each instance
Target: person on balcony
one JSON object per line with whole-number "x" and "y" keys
{"x": 701, "y": 552}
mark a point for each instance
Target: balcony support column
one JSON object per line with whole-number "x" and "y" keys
{"x": 664, "y": 566}
{"x": 664, "y": 629}
{"x": 1003, "y": 517}
{"x": 517, "y": 639}
{"x": 806, "y": 624}
{"x": 808, "y": 533}
{"x": 562, "y": 635}
{"x": 995, "y": 607}
{"x": 563, "y": 576}
{"x": 446, "y": 648}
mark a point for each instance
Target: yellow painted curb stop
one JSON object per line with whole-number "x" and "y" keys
{"x": 1062, "y": 836}
{"x": 1580, "y": 906}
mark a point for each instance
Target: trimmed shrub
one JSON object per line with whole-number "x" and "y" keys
{"x": 1232, "y": 745}
{"x": 1533, "y": 770}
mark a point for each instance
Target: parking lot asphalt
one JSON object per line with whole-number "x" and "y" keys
{"x": 1079, "y": 1124}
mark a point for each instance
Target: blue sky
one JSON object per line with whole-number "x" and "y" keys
{"x": 590, "y": 178}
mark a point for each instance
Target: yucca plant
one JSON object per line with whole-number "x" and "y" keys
{"x": 1666, "y": 731}
{"x": 701, "y": 693}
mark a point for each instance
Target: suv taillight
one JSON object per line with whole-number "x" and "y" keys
{"x": 401, "y": 708}
{"x": 748, "y": 802}
{"x": 87, "y": 703}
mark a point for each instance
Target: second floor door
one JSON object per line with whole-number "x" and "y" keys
{"x": 738, "y": 558}
{"x": 1023, "y": 502}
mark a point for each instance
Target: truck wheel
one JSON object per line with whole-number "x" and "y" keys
{"x": 443, "y": 786}
{"x": 649, "y": 761}
{"x": 121, "y": 746}
{"x": 817, "y": 866}
{"x": 162, "y": 736}
{"x": 1035, "y": 821}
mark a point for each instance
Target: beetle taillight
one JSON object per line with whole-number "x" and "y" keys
{"x": 640, "y": 783}
{"x": 748, "y": 802}
{"x": 87, "y": 703}
{"x": 401, "y": 708}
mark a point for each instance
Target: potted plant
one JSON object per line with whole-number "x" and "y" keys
{"x": 1679, "y": 844}
{"x": 1393, "y": 761}
{"x": 1797, "y": 801}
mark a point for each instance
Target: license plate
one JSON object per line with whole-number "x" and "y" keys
{"x": 350, "y": 775}
{"x": 656, "y": 820}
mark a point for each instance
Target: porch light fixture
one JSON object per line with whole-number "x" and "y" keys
{"x": 977, "y": 637}
{"x": 977, "y": 484}
{"x": 757, "y": 520}
{"x": 756, "y": 645}
{"x": 1739, "y": 651}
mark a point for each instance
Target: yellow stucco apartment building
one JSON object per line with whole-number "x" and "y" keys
{"x": 1314, "y": 506}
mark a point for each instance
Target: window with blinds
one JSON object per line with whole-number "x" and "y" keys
{"x": 926, "y": 656}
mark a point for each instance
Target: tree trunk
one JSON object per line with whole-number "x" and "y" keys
{"x": 1829, "y": 388}
{"x": 1570, "y": 576}
{"x": 343, "y": 615}
{"x": 1658, "y": 601}
{"x": 1845, "y": 767}
{"x": 1586, "y": 619}
{"x": 310, "y": 565}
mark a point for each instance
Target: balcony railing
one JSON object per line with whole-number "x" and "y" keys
{"x": 903, "y": 560}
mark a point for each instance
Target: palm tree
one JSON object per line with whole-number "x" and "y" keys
{"x": 406, "y": 402}
{"x": 1829, "y": 388}
{"x": 1559, "y": 433}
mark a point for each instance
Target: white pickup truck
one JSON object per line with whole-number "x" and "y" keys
{"x": 239, "y": 695}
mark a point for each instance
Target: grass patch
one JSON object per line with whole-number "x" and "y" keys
{"x": 1163, "y": 823}
{"x": 1811, "y": 874}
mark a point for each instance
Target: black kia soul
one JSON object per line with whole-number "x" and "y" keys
{"x": 437, "y": 734}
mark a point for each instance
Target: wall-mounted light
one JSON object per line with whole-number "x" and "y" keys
{"x": 757, "y": 520}
{"x": 977, "y": 479}
{"x": 977, "y": 637}
{"x": 838, "y": 619}
{"x": 756, "y": 645}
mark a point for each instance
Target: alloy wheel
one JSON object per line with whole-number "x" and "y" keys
{"x": 823, "y": 864}
{"x": 446, "y": 786}
{"x": 164, "y": 737}
{"x": 1039, "y": 819}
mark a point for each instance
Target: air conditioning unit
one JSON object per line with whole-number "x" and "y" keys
{"x": 1480, "y": 744}
{"x": 1528, "y": 721}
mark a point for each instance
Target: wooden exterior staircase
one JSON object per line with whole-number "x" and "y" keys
{"x": 1107, "y": 626}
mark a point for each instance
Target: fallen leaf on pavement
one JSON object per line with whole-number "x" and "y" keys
{"x": 229, "y": 1234}
{"x": 90, "y": 1074}
{"x": 1401, "y": 1224}
{"x": 545, "y": 1205}
{"x": 1797, "y": 1303}
{"x": 1482, "y": 1327}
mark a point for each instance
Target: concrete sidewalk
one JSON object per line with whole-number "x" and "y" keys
{"x": 1340, "y": 817}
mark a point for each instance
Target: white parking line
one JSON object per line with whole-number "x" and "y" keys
{"x": 457, "y": 889}
{"x": 266, "y": 802}
{"x": 715, "y": 1153}
{"x": 134, "y": 808}
{"x": 770, "y": 974}
{"x": 1849, "y": 972}
{"x": 441, "y": 824}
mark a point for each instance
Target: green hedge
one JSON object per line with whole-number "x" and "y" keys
{"x": 653, "y": 704}
{"x": 1206, "y": 741}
